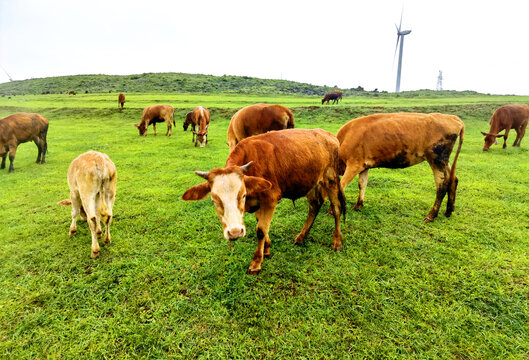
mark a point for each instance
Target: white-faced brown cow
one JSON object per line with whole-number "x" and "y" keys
{"x": 198, "y": 117}
{"x": 155, "y": 114}
{"x": 258, "y": 119}
{"x": 92, "y": 180}
{"x": 121, "y": 101}
{"x": 19, "y": 128}
{"x": 507, "y": 117}
{"x": 399, "y": 141}
{"x": 263, "y": 169}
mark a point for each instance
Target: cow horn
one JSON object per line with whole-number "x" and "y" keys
{"x": 202, "y": 174}
{"x": 245, "y": 168}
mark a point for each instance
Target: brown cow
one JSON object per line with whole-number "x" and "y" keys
{"x": 19, "y": 128}
{"x": 199, "y": 116}
{"x": 399, "y": 141}
{"x": 72, "y": 92}
{"x": 507, "y": 117}
{"x": 258, "y": 119}
{"x": 155, "y": 114}
{"x": 92, "y": 181}
{"x": 263, "y": 169}
{"x": 335, "y": 96}
{"x": 121, "y": 101}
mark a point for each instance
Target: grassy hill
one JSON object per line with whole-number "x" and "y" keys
{"x": 195, "y": 83}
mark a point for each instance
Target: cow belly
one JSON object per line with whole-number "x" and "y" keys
{"x": 395, "y": 161}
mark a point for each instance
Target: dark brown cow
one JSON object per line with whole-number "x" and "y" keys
{"x": 121, "y": 101}
{"x": 199, "y": 116}
{"x": 92, "y": 182}
{"x": 263, "y": 169}
{"x": 19, "y": 128}
{"x": 258, "y": 119}
{"x": 155, "y": 114}
{"x": 335, "y": 96}
{"x": 71, "y": 92}
{"x": 507, "y": 117}
{"x": 399, "y": 141}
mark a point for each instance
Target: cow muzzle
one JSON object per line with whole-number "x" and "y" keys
{"x": 234, "y": 232}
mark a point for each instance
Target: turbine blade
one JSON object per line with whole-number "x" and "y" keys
{"x": 401, "y": 12}
{"x": 396, "y": 47}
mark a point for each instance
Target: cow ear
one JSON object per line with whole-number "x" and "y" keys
{"x": 256, "y": 185}
{"x": 66, "y": 202}
{"x": 137, "y": 125}
{"x": 197, "y": 192}
{"x": 499, "y": 136}
{"x": 484, "y": 133}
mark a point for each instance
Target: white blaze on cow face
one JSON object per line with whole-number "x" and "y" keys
{"x": 228, "y": 193}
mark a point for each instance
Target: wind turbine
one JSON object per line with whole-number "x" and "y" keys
{"x": 400, "y": 37}
{"x": 10, "y": 79}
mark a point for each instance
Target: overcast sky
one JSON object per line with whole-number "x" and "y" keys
{"x": 479, "y": 45}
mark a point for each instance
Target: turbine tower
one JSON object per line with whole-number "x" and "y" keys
{"x": 439, "y": 86}
{"x": 400, "y": 37}
{"x": 10, "y": 79}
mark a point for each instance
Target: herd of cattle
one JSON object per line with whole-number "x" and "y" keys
{"x": 269, "y": 160}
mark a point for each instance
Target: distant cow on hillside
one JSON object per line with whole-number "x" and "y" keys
{"x": 19, "y": 128}
{"x": 335, "y": 96}
{"x": 71, "y": 92}
{"x": 399, "y": 141}
{"x": 507, "y": 117}
{"x": 198, "y": 117}
{"x": 121, "y": 101}
{"x": 155, "y": 114}
{"x": 258, "y": 119}
{"x": 92, "y": 181}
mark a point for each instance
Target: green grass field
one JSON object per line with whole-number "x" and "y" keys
{"x": 171, "y": 286}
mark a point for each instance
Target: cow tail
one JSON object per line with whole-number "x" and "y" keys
{"x": 174, "y": 122}
{"x": 103, "y": 207}
{"x": 453, "y": 182}
{"x": 290, "y": 122}
{"x": 341, "y": 198}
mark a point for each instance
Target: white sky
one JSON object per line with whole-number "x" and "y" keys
{"x": 479, "y": 45}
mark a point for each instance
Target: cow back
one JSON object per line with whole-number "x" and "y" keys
{"x": 293, "y": 160}
{"x": 23, "y": 127}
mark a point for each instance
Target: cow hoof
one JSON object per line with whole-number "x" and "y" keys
{"x": 107, "y": 240}
{"x": 338, "y": 248}
{"x": 94, "y": 254}
{"x": 72, "y": 232}
{"x": 428, "y": 220}
{"x": 268, "y": 256}
{"x": 358, "y": 206}
{"x": 298, "y": 240}
{"x": 253, "y": 272}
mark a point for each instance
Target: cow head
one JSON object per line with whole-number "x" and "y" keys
{"x": 490, "y": 139}
{"x": 188, "y": 120}
{"x": 142, "y": 128}
{"x": 229, "y": 188}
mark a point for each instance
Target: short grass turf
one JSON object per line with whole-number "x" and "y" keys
{"x": 170, "y": 286}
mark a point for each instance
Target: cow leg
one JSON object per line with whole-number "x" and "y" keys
{"x": 337, "y": 199}
{"x": 12, "y": 153}
{"x": 315, "y": 198}
{"x": 264, "y": 218}
{"x": 4, "y": 156}
{"x": 521, "y": 134}
{"x": 441, "y": 175}
{"x": 169, "y": 131}
{"x": 44, "y": 146}
{"x": 39, "y": 147}
{"x": 99, "y": 231}
{"x": 507, "y": 129}
{"x": 154, "y": 127}
{"x": 362, "y": 184}
{"x": 76, "y": 210}
{"x": 89, "y": 204}
{"x": 450, "y": 205}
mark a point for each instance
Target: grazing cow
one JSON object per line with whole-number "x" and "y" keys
{"x": 121, "y": 101}
{"x": 507, "y": 117}
{"x": 263, "y": 169}
{"x": 335, "y": 96}
{"x": 199, "y": 116}
{"x": 399, "y": 141}
{"x": 92, "y": 182}
{"x": 19, "y": 128}
{"x": 258, "y": 119}
{"x": 155, "y": 114}
{"x": 71, "y": 92}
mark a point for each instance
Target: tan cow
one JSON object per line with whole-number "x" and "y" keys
{"x": 263, "y": 169}
{"x": 507, "y": 117}
{"x": 155, "y": 114}
{"x": 19, "y": 128}
{"x": 258, "y": 119}
{"x": 92, "y": 180}
{"x": 198, "y": 117}
{"x": 399, "y": 141}
{"x": 121, "y": 101}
